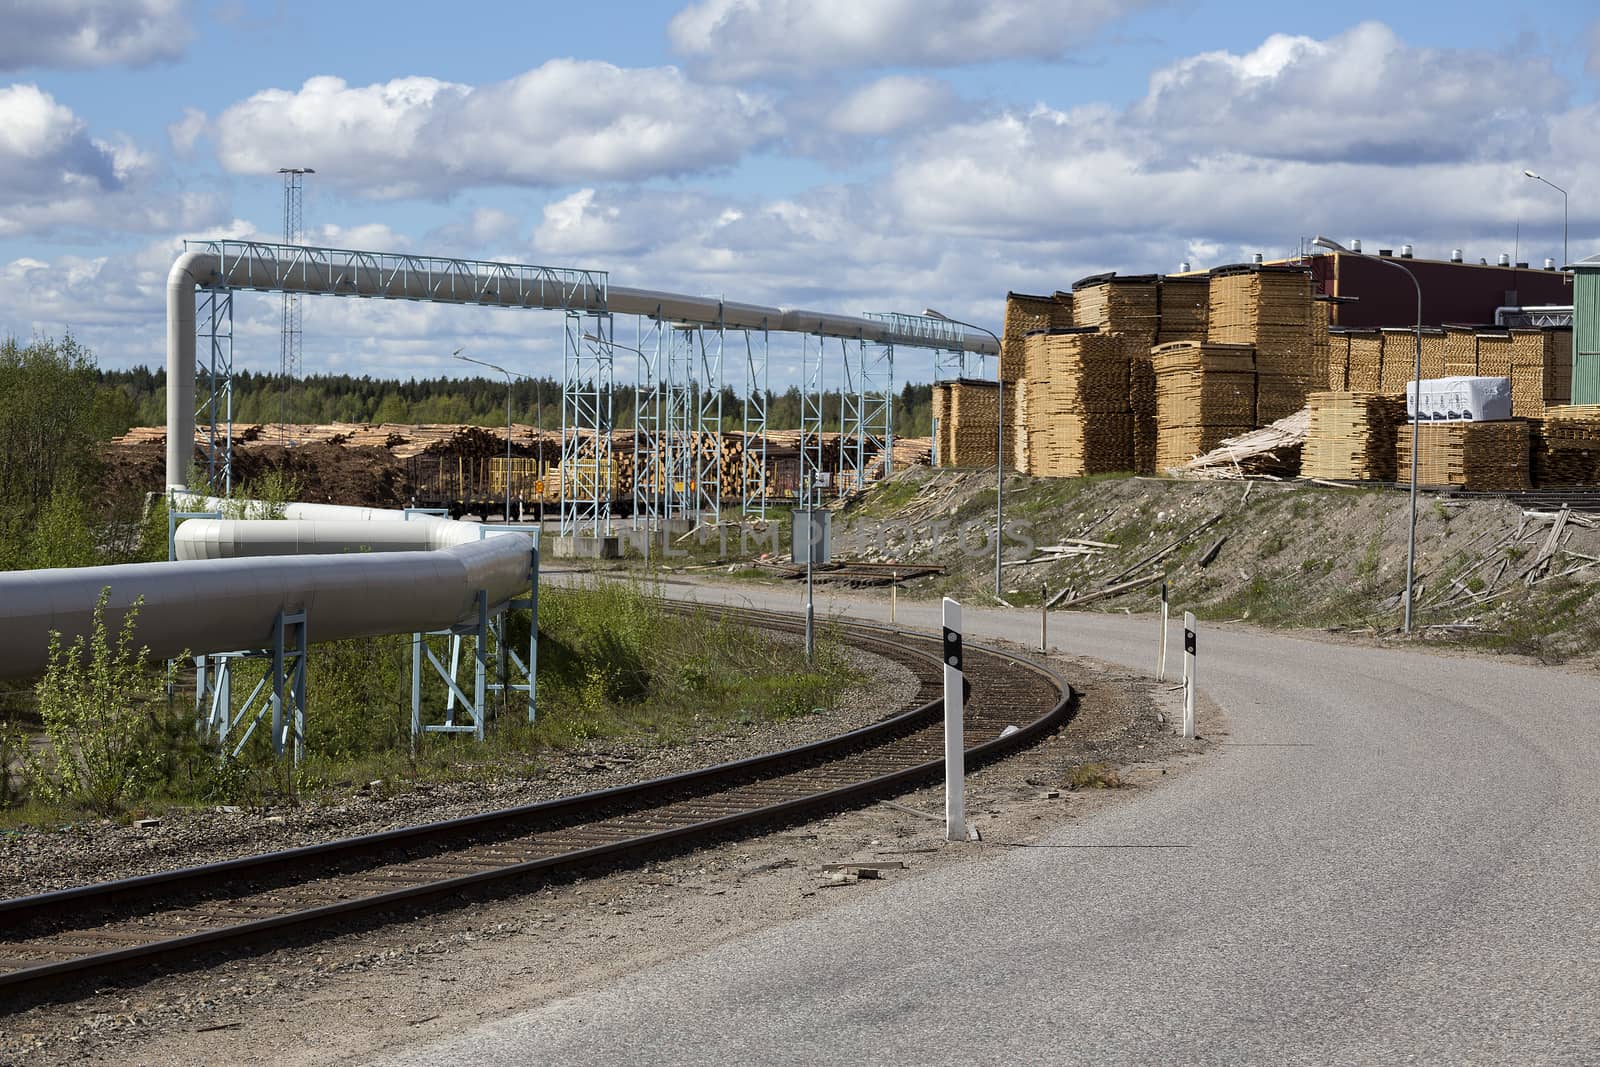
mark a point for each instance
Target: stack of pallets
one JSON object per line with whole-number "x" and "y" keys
{"x": 1350, "y": 436}
{"x": 1116, "y": 304}
{"x": 1541, "y": 370}
{"x": 1466, "y": 455}
{"x": 1184, "y": 308}
{"x": 1077, "y": 395}
{"x": 1566, "y": 445}
{"x": 1205, "y": 393}
{"x": 1025, "y": 314}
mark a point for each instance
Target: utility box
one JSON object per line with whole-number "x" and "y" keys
{"x": 811, "y": 536}
{"x": 1586, "y": 331}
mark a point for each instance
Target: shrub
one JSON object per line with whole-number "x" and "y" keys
{"x": 105, "y": 746}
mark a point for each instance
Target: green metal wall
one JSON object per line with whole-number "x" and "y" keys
{"x": 1586, "y": 337}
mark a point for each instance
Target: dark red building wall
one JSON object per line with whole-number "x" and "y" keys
{"x": 1465, "y": 293}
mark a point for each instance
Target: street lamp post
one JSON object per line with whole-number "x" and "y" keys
{"x": 1000, "y": 442}
{"x": 1416, "y": 424}
{"x": 457, "y": 354}
{"x": 1563, "y": 192}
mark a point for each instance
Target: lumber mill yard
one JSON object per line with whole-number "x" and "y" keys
{"x": 1238, "y": 434}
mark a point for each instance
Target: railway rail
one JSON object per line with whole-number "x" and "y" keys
{"x": 175, "y": 918}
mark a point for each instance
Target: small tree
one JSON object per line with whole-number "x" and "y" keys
{"x": 105, "y": 748}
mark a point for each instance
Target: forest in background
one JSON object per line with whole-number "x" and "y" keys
{"x": 140, "y": 399}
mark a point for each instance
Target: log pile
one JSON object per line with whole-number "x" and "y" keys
{"x": 1205, "y": 393}
{"x": 1077, "y": 400}
{"x": 1350, "y": 436}
{"x": 1541, "y": 371}
{"x": 1467, "y": 455}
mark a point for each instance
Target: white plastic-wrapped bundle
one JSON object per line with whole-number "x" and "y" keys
{"x": 1459, "y": 399}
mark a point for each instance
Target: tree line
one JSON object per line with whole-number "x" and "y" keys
{"x": 140, "y": 399}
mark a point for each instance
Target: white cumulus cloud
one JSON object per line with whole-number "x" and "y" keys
{"x": 890, "y": 105}
{"x": 91, "y": 33}
{"x": 564, "y": 122}
{"x": 740, "y": 39}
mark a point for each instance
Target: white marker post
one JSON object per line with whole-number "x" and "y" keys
{"x": 1188, "y": 675}
{"x": 955, "y": 751}
{"x": 1161, "y": 658}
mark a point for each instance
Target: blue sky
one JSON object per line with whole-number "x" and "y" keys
{"x": 844, "y": 154}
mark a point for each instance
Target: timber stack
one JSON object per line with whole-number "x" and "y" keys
{"x": 1350, "y": 436}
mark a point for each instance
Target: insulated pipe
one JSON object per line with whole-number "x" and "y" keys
{"x": 223, "y": 605}
{"x": 193, "y": 269}
{"x": 236, "y": 538}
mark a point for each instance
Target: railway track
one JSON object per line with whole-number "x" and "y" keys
{"x": 174, "y": 918}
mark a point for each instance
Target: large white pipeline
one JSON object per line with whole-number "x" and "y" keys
{"x": 194, "y": 269}
{"x": 354, "y": 577}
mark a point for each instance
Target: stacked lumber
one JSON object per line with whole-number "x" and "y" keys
{"x": 1366, "y": 361}
{"x": 1434, "y": 355}
{"x": 1339, "y": 360}
{"x": 940, "y": 411}
{"x": 1494, "y": 353}
{"x": 1142, "y": 403}
{"x": 1184, "y": 304}
{"x": 1541, "y": 370}
{"x": 1565, "y": 452}
{"x": 974, "y": 423}
{"x": 1267, "y": 307}
{"x": 1399, "y": 359}
{"x": 1077, "y": 395}
{"x": 1205, "y": 393}
{"x": 1467, "y": 455}
{"x": 1128, "y": 305}
{"x": 1024, "y": 315}
{"x": 1460, "y": 352}
{"x": 1350, "y": 436}
{"x": 1021, "y": 456}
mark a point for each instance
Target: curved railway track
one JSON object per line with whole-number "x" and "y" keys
{"x": 111, "y": 927}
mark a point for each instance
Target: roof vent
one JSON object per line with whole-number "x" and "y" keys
{"x": 1505, "y": 259}
{"x": 1183, "y": 268}
{"x": 1256, "y": 259}
{"x": 1405, "y": 251}
{"x": 1455, "y": 255}
{"x": 1385, "y": 251}
{"x": 1522, "y": 266}
{"x": 1355, "y": 244}
{"x": 1549, "y": 264}
{"x": 1482, "y": 262}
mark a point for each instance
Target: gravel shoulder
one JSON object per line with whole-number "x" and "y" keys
{"x": 381, "y": 990}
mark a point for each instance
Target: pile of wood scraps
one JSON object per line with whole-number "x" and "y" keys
{"x": 1271, "y": 452}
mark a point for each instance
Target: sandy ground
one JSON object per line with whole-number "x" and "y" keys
{"x": 384, "y": 988}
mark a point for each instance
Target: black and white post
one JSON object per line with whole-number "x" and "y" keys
{"x": 1161, "y": 656}
{"x": 1188, "y": 675}
{"x": 955, "y": 752}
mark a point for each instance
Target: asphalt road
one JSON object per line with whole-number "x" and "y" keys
{"x": 1393, "y": 859}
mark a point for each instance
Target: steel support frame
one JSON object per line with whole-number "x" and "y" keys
{"x": 867, "y": 407}
{"x": 280, "y": 691}
{"x": 586, "y": 413}
{"x": 813, "y": 366}
{"x": 707, "y": 450}
{"x": 469, "y": 714}
{"x": 648, "y": 479}
{"x": 679, "y": 408}
{"x": 753, "y": 478}
{"x": 214, "y": 385}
